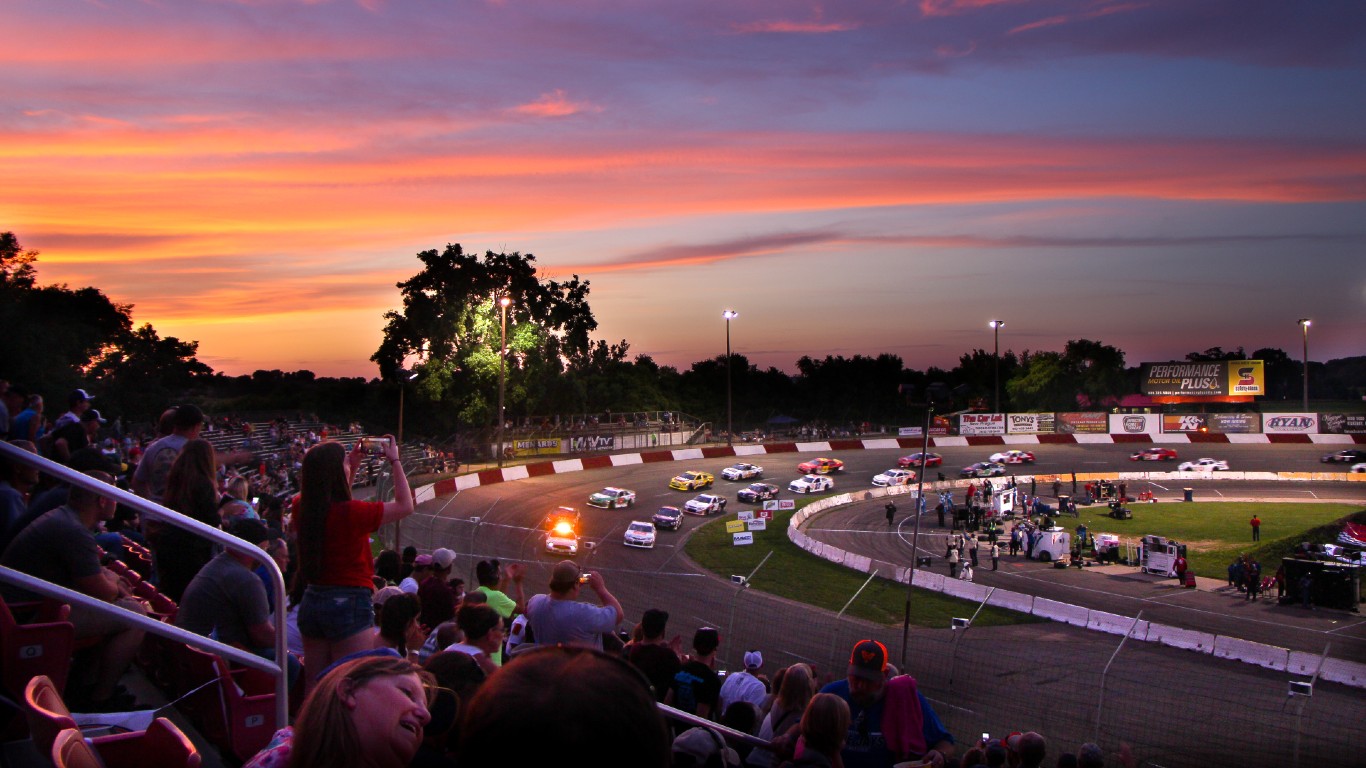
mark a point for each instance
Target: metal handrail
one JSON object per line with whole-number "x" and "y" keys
{"x": 730, "y": 734}
{"x": 151, "y": 509}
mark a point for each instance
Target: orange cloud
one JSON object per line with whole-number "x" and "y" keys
{"x": 795, "y": 27}
{"x": 554, "y": 104}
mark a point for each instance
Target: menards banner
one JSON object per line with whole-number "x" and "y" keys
{"x": 1207, "y": 379}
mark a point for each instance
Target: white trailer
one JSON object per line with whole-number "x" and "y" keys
{"x": 1158, "y": 555}
{"x": 1050, "y": 544}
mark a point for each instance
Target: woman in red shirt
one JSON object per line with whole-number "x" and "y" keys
{"x": 336, "y": 617}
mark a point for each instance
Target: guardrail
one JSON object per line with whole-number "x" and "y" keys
{"x": 154, "y": 510}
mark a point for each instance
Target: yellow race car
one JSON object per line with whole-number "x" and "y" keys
{"x": 692, "y": 481}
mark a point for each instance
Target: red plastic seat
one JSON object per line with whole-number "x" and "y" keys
{"x": 162, "y": 745}
{"x": 41, "y": 647}
{"x": 238, "y": 713}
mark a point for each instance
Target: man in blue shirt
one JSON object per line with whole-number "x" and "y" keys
{"x": 890, "y": 721}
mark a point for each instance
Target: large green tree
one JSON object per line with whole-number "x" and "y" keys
{"x": 1052, "y": 381}
{"x": 450, "y": 327}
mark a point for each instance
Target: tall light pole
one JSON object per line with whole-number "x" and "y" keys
{"x": 1304, "y": 326}
{"x": 502, "y": 364}
{"x": 996, "y": 343}
{"x": 402, "y": 385}
{"x": 729, "y": 315}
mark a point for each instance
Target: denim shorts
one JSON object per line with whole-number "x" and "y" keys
{"x": 335, "y": 613}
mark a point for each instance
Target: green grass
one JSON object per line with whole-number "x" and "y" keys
{"x": 1217, "y": 532}
{"x": 797, "y": 575}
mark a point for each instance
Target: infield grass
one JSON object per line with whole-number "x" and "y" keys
{"x": 1217, "y": 532}
{"x": 798, "y": 575}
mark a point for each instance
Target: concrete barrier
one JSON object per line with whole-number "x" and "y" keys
{"x": 965, "y": 590}
{"x": 821, "y": 447}
{"x": 518, "y": 472}
{"x": 1084, "y": 439}
{"x": 1012, "y": 601}
{"x": 872, "y": 445}
{"x": 930, "y": 580}
{"x": 1267, "y": 656}
{"x": 465, "y": 482}
{"x": 626, "y": 459}
{"x": 1345, "y": 672}
{"x": 688, "y": 454}
{"x": 1249, "y": 439}
{"x": 1021, "y": 439}
{"x": 1332, "y": 439}
{"x": 1115, "y": 624}
{"x": 750, "y": 450}
{"x": 1063, "y": 612}
{"x": 567, "y": 465}
{"x": 861, "y": 563}
{"x": 1302, "y": 663}
{"x": 1176, "y": 637}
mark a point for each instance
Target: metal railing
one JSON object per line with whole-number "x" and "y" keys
{"x": 160, "y": 628}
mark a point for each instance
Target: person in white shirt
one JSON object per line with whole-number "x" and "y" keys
{"x": 745, "y": 685}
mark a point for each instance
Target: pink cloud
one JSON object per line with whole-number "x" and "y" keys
{"x": 795, "y": 27}
{"x": 554, "y": 104}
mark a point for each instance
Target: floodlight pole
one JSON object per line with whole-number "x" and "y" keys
{"x": 1304, "y": 326}
{"x": 502, "y": 377}
{"x": 729, "y": 314}
{"x": 915, "y": 534}
{"x": 996, "y": 344}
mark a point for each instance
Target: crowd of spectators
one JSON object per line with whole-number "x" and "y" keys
{"x": 400, "y": 663}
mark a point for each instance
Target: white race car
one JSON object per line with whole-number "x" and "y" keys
{"x": 742, "y": 471}
{"x": 609, "y": 498}
{"x": 705, "y": 504}
{"x": 811, "y": 484}
{"x": 1359, "y": 467}
{"x": 1012, "y": 456}
{"x": 640, "y": 534}
{"x": 1202, "y": 465}
{"x": 894, "y": 477}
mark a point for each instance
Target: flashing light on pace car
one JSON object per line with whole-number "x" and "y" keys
{"x": 562, "y": 535}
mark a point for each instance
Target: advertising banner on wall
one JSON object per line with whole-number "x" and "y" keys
{"x": 1234, "y": 423}
{"x": 1204, "y": 379}
{"x": 1183, "y": 422}
{"x": 982, "y": 424}
{"x": 1342, "y": 423}
{"x": 544, "y": 445}
{"x": 1086, "y": 423}
{"x": 1290, "y": 423}
{"x": 1135, "y": 424}
{"x": 1029, "y": 423}
{"x": 592, "y": 443}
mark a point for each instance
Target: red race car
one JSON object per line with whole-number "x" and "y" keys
{"x": 917, "y": 459}
{"x": 820, "y": 466}
{"x": 1154, "y": 454}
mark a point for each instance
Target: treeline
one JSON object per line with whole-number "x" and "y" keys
{"x": 441, "y": 349}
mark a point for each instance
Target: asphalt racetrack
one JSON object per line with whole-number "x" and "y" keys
{"x": 1176, "y": 707}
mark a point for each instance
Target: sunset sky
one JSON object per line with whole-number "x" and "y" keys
{"x": 851, "y": 177}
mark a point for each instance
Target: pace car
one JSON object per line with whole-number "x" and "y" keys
{"x": 1359, "y": 467}
{"x": 742, "y": 471}
{"x": 640, "y": 534}
{"x": 1202, "y": 465}
{"x": 811, "y": 484}
{"x": 705, "y": 504}
{"x": 1154, "y": 454}
{"x": 668, "y": 517}
{"x": 821, "y": 466}
{"x": 691, "y": 481}
{"x": 983, "y": 469}
{"x": 562, "y": 532}
{"x": 920, "y": 459}
{"x": 1012, "y": 456}
{"x": 757, "y": 492}
{"x": 612, "y": 498}
{"x": 894, "y": 477}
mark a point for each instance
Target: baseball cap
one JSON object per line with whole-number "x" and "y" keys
{"x": 422, "y": 561}
{"x": 249, "y": 529}
{"x": 93, "y": 415}
{"x": 382, "y": 596}
{"x": 702, "y": 745}
{"x": 564, "y": 575}
{"x": 79, "y": 396}
{"x": 442, "y": 558}
{"x": 868, "y": 660}
{"x": 753, "y": 660}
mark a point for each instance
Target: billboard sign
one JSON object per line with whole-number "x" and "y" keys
{"x": 1088, "y": 423}
{"x": 1184, "y": 422}
{"x": 1290, "y": 423}
{"x": 1234, "y": 423}
{"x": 1203, "y": 379}
{"x": 982, "y": 424}
{"x": 1029, "y": 423}
{"x": 1135, "y": 423}
{"x": 1342, "y": 423}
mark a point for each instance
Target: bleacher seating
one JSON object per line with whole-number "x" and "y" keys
{"x": 40, "y": 644}
{"x": 233, "y": 708}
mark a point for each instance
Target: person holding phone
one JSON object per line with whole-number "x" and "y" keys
{"x": 336, "y": 618}
{"x": 559, "y": 618}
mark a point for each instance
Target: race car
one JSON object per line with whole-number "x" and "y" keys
{"x": 1347, "y": 455}
{"x": 742, "y": 471}
{"x": 691, "y": 481}
{"x": 1012, "y": 456}
{"x": 920, "y": 459}
{"x": 668, "y": 517}
{"x": 612, "y": 498}
{"x": 562, "y": 532}
{"x": 757, "y": 492}
{"x": 640, "y": 534}
{"x": 811, "y": 484}
{"x": 1359, "y": 467}
{"x": 820, "y": 466}
{"x": 705, "y": 504}
{"x": 1202, "y": 465}
{"x": 1154, "y": 454}
{"x": 894, "y": 477}
{"x": 983, "y": 469}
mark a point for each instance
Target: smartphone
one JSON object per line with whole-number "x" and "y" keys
{"x": 583, "y": 578}
{"x": 375, "y": 445}
{"x": 985, "y": 737}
